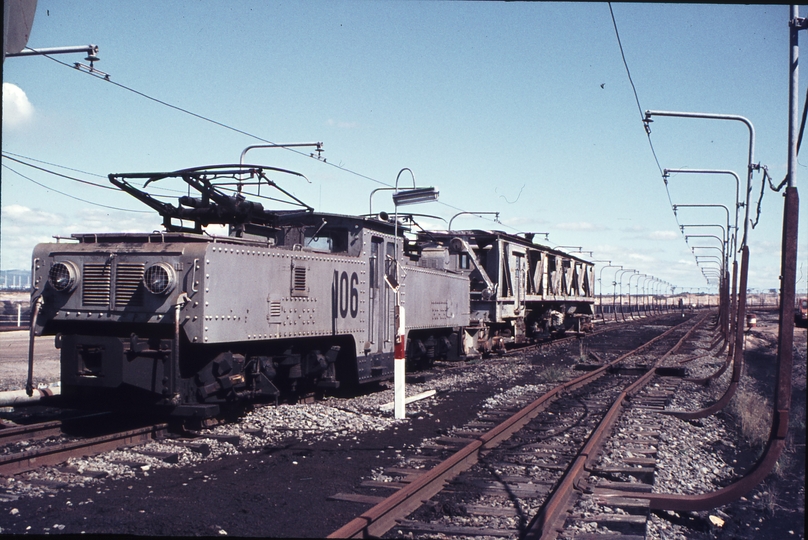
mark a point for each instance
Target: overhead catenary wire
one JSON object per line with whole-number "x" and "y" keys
{"x": 73, "y": 196}
{"x": 767, "y": 176}
{"x": 107, "y": 78}
{"x": 646, "y": 126}
{"x": 634, "y": 89}
{"x": 54, "y": 164}
{"x": 73, "y": 178}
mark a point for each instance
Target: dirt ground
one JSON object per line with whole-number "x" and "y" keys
{"x": 775, "y": 509}
{"x": 14, "y": 360}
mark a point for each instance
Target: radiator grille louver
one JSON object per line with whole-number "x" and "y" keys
{"x": 128, "y": 279}
{"x": 95, "y": 284}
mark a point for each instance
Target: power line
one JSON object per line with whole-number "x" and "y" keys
{"x": 105, "y": 77}
{"x": 634, "y": 89}
{"x": 212, "y": 121}
{"x": 642, "y": 116}
{"x": 54, "y": 164}
{"x": 72, "y": 196}
{"x": 623, "y": 54}
{"x": 79, "y": 180}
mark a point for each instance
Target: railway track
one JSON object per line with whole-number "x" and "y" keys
{"x": 53, "y": 449}
{"x": 516, "y": 477}
{"x": 55, "y": 445}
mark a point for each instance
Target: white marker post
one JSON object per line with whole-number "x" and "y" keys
{"x": 399, "y": 363}
{"x": 410, "y": 196}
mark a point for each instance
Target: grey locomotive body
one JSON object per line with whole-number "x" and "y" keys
{"x": 289, "y": 301}
{"x": 519, "y": 290}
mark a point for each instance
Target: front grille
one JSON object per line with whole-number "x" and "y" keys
{"x": 95, "y": 284}
{"x": 128, "y": 284}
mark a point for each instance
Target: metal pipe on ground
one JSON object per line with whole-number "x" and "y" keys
{"x": 21, "y": 397}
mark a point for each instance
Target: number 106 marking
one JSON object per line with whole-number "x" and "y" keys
{"x": 347, "y": 293}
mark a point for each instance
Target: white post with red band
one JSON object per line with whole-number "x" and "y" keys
{"x": 399, "y": 363}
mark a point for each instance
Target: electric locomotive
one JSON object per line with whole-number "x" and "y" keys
{"x": 288, "y": 301}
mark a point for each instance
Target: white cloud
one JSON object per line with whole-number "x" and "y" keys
{"x": 640, "y": 257}
{"x": 523, "y": 222}
{"x": 25, "y": 227}
{"x": 17, "y": 110}
{"x": 664, "y": 235}
{"x": 18, "y": 214}
{"x": 633, "y": 229}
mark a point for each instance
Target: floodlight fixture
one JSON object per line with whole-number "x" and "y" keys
{"x": 415, "y": 196}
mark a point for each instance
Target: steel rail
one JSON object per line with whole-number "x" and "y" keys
{"x": 782, "y": 390}
{"x": 553, "y": 510}
{"x": 737, "y": 357}
{"x": 713, "y": 376}
{"x": 53, "y": 455}
{"x": 381, "y": 518}
{"x": 33, "y": 431}
{"x": 41, "y": 430}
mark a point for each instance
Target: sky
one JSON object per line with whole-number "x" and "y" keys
{"x": 525, "y": 109}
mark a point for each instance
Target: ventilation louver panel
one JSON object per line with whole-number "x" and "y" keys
{"x": 95, "y": 284}
{"x": 299, "y": 281}
{"x": 128, "y": 280}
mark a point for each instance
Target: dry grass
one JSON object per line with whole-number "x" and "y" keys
{"x": 754, "y": 416}
{"x": 769, "y": 498}
{"x": 781, "y": 468}
{"x": 554, "y": 374}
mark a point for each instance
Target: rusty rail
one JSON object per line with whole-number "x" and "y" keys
{"x": 738, "y": 356}
{"x": 554, "y": 508}
{"x": 382, "y": 517}
{"x": 53, "y": 455}
{"x": 42, "y": 430}
{"x": 34, "y": 431}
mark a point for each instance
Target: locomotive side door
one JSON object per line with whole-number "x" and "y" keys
{"x": 380, "y": 296}
{"x": 373, "y": 290}
{"x": 386, "y": 331}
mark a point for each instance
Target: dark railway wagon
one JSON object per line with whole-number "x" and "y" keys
{"x": 519, "y": 291}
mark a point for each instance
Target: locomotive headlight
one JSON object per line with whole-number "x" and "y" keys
{"x": 63, "y": 276}
{"x": 159, "y": 278}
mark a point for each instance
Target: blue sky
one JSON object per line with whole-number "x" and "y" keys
{"x": 519, "y": 108}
